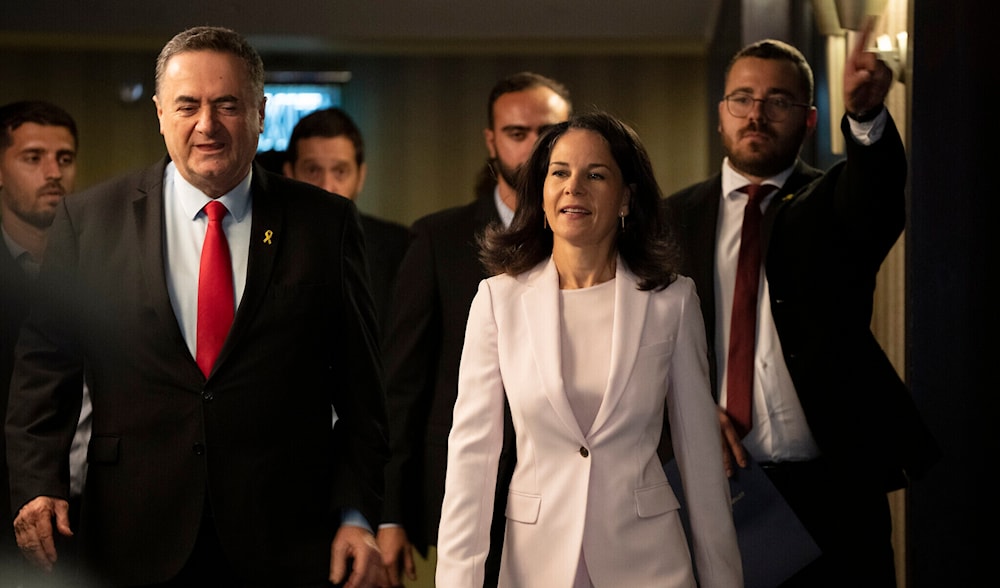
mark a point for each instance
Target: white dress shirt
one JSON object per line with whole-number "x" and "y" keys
{"x": 186, "y": 224}
{"x": 585, "y": 336}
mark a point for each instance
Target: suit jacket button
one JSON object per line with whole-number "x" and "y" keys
{"x": 199, "y": 449}
{"x": 207, "y": 395}
{"x": 584, "y": 452}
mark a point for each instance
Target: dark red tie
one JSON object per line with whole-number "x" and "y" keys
{"x": 215, "y": 290}
{"x": 743, "y": 328}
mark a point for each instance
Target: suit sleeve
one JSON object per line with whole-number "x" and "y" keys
{"x": 361, "y": 427}
{"x": 695, "y": 433}
{"x": 412, "y": 342}
{"x": 45, "y": 397}
{"x": 473, "y": 452}
{"x": 869, "y": 195}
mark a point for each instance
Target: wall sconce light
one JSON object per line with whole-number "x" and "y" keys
{"x": 894, "y": 55}
{"x": 852, "y": 13}
{"x": 843, "y": 17}
{"x": 839, "y": 21}
{"x": 827, "y": 20}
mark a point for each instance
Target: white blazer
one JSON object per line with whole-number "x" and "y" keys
{"x": 602, "y": 490}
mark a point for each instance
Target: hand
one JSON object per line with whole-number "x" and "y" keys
{"x": 866, "y": 78}
{"x": 357, "y": 545}
{"x": 33, "y": 529}
{"x": 397, "y": 554}
{"x": 731, "y": 446}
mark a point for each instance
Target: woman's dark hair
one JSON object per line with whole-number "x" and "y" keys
{"x": 643, "y": 244}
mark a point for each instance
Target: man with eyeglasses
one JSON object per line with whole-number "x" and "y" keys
{"x": 802, "y": 384}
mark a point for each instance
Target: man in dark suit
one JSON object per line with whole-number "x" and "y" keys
{"x": 200, "y": 294}
{"x": 434, "y": 290}
{"x": 38, "y": 143}
{"x": 326, "y": 149}
{"x": 826, "y": 414}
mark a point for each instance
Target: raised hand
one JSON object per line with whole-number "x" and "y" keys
{"x": 866, "y": 78}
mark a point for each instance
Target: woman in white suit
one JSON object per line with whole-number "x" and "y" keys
{"x": 589, "y": 334}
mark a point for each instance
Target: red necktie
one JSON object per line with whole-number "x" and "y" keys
{"x": 743, "y": 328}
{"x": 215, "y": 290}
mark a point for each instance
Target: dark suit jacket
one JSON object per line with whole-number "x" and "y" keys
{"x": 825, "y": 237}
{"x": 435, "y": 287}
{"x": 14, "y": 299}
{"x": 253, "y": 442}
{"x": 437, "y": 281}
{"x": 385, "y": 245}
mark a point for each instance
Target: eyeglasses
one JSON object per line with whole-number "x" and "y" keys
{"x": 775, "y": 108}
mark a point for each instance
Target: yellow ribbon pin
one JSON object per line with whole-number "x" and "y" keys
{"x": 267, "y": 236}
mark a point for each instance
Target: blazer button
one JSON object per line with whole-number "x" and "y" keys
{"x": 584, "y": 452}
{"x": 207, "y": 395}
{"x": 199, "y": 449}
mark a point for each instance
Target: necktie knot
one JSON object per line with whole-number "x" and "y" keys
{"x": 215, "y": 211}
{"x": 757, "y": 192}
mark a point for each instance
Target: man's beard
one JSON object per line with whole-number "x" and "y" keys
{"x": 763, "y": 164}
{"x": 40, "y": 219}
{"x": 509, "y": 174}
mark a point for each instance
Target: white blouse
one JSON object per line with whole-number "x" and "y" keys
{"x": 587, "y": 318}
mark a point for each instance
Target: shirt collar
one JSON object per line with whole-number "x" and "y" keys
{"x": 193, "y": 200}
{"x": 20, "y": 255}
{"x": 732, "y": 180}
{"x": 506, "y": 213}
{"x": 13, "y": 246}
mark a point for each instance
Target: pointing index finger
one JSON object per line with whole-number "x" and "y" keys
{"x": 863, "y": 35}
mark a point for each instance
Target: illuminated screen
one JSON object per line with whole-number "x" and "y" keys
{"x": 286, "y": 104}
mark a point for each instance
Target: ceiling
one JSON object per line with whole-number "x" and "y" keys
{"x": 665, "y": 26}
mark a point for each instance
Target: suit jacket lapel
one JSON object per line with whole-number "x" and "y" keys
{"x": 800, "y": 178}
{"x": 626, "y": 333}
{"x": 701, "y": 226}
{"x": 701, "y": 229}
{"x": 147, "y": 210}
{"x": 14, "y": 277}
{"x": 486, "y": 211}
{"x": 267, "y": 224}
{"x": 540, "y": 305}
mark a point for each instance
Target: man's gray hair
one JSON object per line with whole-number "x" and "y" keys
{"x": 218, "y": 39}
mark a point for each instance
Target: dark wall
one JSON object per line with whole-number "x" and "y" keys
{"x": 952, "y": 292}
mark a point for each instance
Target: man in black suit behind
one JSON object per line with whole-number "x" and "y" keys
{"x": 326, "y": 149}
{"x": 435, "y": 287}
{"x": 832, "y": 423}
{"x": 223, "y": 471}
{"x": 38, "y": 147}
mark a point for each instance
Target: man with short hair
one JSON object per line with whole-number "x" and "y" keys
{"x": 435, "y": 287}
{"x": 806, "y": 389}
{"x": 326, "y": 149}
{"x": 200, "y": 293}
{"x": 38, "y": 145}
